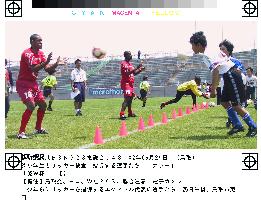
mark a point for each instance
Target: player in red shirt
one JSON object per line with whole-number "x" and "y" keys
{"x": 127, "y": 83}
{"x": 32, "y": 61}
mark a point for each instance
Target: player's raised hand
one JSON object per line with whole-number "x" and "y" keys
{"x": 49, "y": 58}
{"x": 58, "y": 61}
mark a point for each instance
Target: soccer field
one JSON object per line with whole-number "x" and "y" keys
{"x": 200, "y": 130}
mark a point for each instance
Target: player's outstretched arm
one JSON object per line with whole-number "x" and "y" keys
{"x": 139, "y": 69}
{"x": 215, "y": 82}
{"x": 52, "y": 66}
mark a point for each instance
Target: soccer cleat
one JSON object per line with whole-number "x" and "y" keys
{"x": 49, "y": 109}
{"x": 228, "y": 124}
{"x": 235, "y": 130}
{"x": 162, "y": 105}
{"x": 21, "y": 136}
{"x": 41, "y": 131}
{"x": 251, "y": 132}
{"x": 79, "y": 113}
{"x": 143, "y": 106}
{"x": 132, "y": 115}
{"x": 123, "y": 117}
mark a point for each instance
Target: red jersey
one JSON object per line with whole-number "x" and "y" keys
{"x": 127, "y": 78}
{"x": 7, "y": 76}
{"x": 28, "y": 59}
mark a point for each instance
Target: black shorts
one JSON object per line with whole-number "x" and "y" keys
{"x": 234, "y": 89}
{"x": 47, "y": 91}
{"x": 81, "y": 96}
{"x": 143, "y": 93}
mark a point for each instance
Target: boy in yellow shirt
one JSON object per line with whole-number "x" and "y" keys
{"x": 48, "y": 84}
{"x": 144, "y": 89}
{"x": 187, "y": 88}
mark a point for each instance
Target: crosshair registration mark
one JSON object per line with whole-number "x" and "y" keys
{"x": 13, "y": 161}
{"x": 250, "y": 8}
{"x": 13, "y": 8}
{"x": 250, "y": 161}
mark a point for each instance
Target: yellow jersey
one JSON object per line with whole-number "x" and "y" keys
{"x": 144, "y": 85}
{"x": 190, "y": 85}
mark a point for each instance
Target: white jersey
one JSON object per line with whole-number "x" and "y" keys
{"x": 78, "y": 75}
{"x": 223, "y": 62}
{"x": 251, "y": 81}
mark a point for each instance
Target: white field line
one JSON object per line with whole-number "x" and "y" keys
{"x": 116, "y": 137}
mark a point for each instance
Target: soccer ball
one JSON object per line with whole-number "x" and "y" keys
{"x": 211, "y": 104}
{"x": 98, "y": 53}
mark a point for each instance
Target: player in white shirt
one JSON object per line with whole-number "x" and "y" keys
{"x": 251, "y": 82}
{"x": 78, "y": 82}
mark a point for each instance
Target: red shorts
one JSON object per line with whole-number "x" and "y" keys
{"x": 128, "y": 90}
{"x": 29, "y": 91}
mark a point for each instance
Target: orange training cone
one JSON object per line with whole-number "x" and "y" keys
{"x": 180, "y": 113}
{"x": 173, "y": 115}
{"x": 202, "y": 106}
{"x": 188, "y": 110}
{"x": 123, "y": 129}
{"x": 164, "y": 118}
{"x": 151, "y": 121}
{"x": 98, "y": 136}
{"x": 141, "y": 125}
{"x": 207, "y": 105}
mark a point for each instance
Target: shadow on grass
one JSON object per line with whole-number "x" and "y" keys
{"x": 218, "y": 128}
{"x": 15, "y": 136}
{"x": 218, "y": 117}
{"x": 71, "y": 115}
{"x": 116, "y": 118}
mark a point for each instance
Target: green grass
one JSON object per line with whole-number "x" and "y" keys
{"x": 201, "y": 130}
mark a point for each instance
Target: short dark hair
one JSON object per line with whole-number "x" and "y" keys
{"x": 126, "y": 53}
{"x": 33, "y": 37}
{"x": 251, "y": 69}
{"x": 229, "y": 46}
{"x": 198, "y": 38}
{"x": 197, "y": 79}
{"x": 78, "y": 60}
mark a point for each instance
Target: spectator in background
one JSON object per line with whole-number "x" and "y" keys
{"x": 251, "y": 82}
{"x": 139, "y": 53}
{"x": 9, "y": 83}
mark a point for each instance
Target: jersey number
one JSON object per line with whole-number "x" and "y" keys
{"x": 28, "y": 94}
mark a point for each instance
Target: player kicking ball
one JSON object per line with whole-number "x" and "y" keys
{"x": 187, "y": 88}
